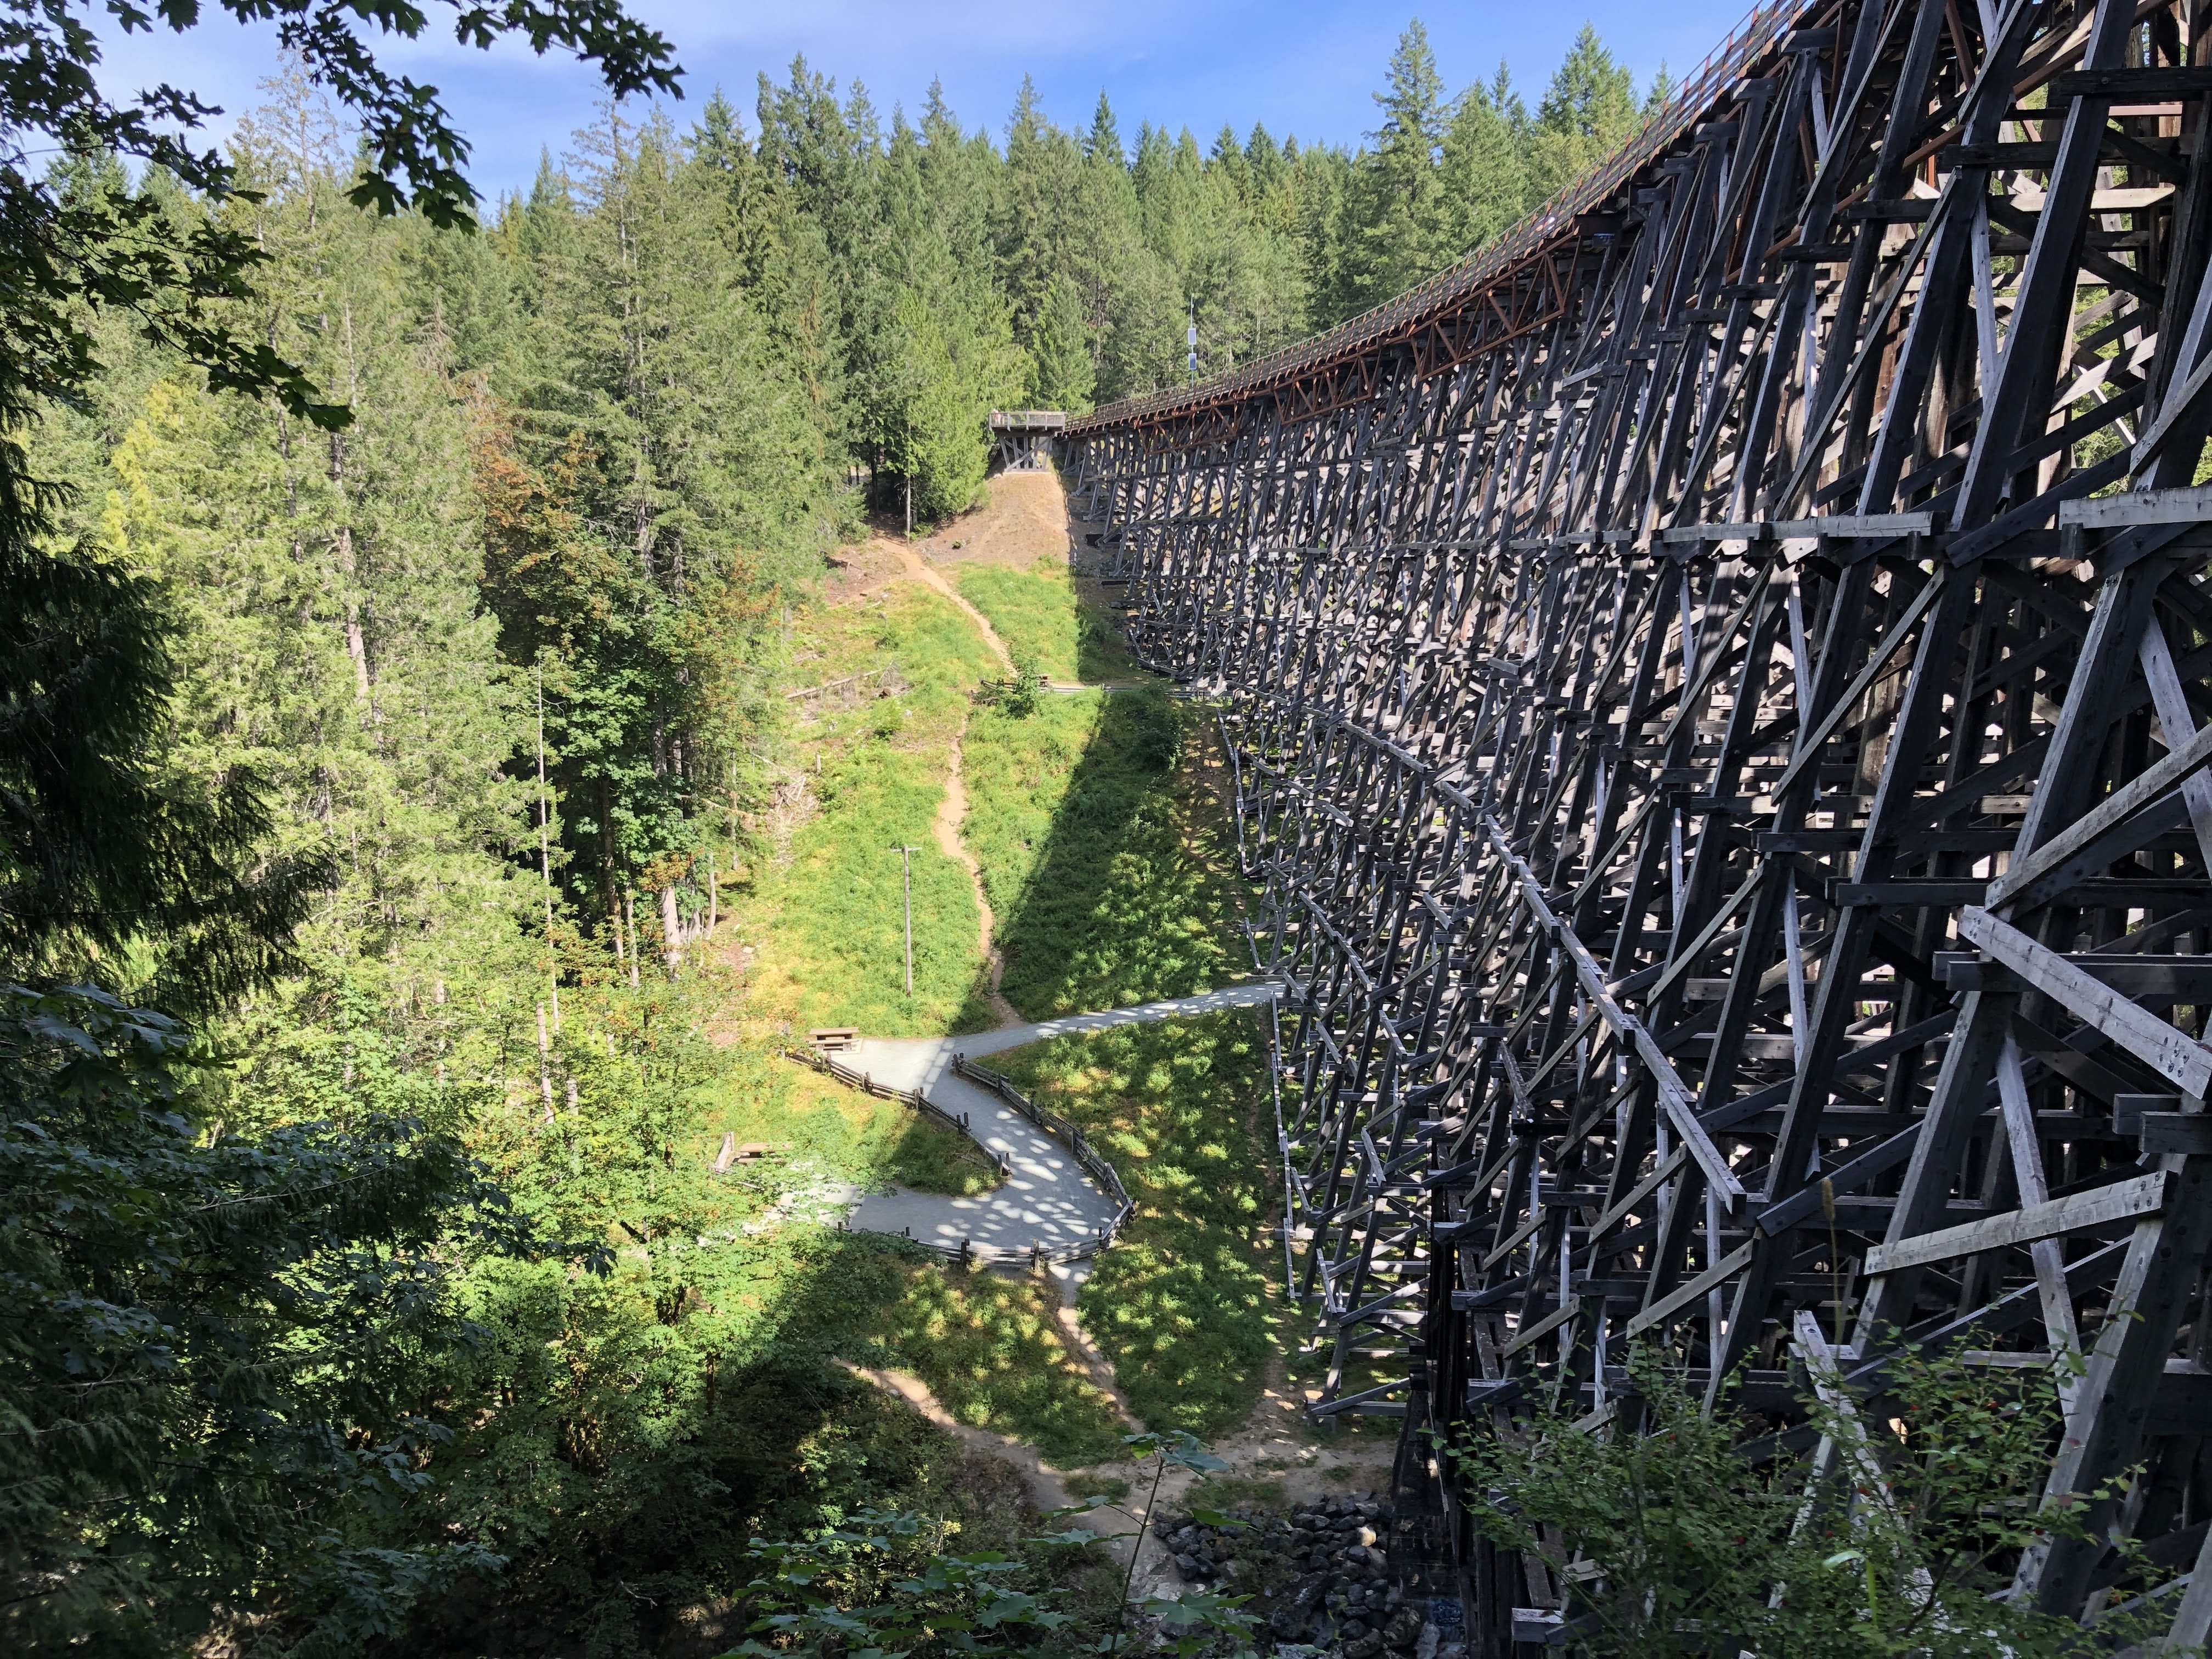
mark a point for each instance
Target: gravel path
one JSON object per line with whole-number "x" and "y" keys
{"x": 1049, "y": 1200}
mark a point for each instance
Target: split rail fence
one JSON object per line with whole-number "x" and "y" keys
{"x": 967, "y": 1252}
{"x": 1714, "y": 686}
{"x": 1069, "y": 1135}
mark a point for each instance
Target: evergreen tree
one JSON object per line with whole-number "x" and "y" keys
{"x": 1328, "y": 227}
{"x": 1586, "y": 114}
{"x": 675, "y": 472}
{"x": 1227, "y": 158}
{"x": 1485, "y": 171}
{"x": 1103, "y": 141}
{"x": 322, "y": 589}
{"x": 1270, "y": 167}
{"x": 948, "y": 356}
{"x": 99, "y": 853}
{"x": 1037, "y": 224}
{"x": 1061, "y": 373}
{"x": 219, "y": 1340}
{"x": 1405, "y": 230}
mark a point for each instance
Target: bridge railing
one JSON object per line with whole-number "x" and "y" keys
{"x": 1067, "y": 1134}
{"x": 912, "y": 1098}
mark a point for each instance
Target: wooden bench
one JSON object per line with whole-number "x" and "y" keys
{"x": 737, "y": 1151}
{"x": 833, "y": 1039}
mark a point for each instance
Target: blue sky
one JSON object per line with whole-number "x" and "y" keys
{"x": 1299, "y": 66}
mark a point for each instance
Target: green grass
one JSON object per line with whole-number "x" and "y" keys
{"x": 1100, "y": 852}
{"x": 992, "y": 1349}
{"x": 1183, "y": 1305}
{"x": 1042, "y": 617}
{"x": 811, "y": 1121}
{"x": 825, "y": 910}
{"x": 857, "y": 1136}
{"x": 930, "y": 1158}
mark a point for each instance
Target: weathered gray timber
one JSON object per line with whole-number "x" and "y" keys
{"x": 1023, "y": 438}
{"x": 1713, "y": 684}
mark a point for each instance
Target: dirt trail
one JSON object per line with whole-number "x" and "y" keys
{"x": 1266, "y": 1449}
{"x": 1048, "y": 1486}
{"x": 917, "y": 568}
{"x": 1115, "y": 1524}
{"x": 951, "y": 813}
{"x": 1272, "y": 1447}
{"x": 1080, "y": 1344}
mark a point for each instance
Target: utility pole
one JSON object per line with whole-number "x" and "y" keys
{"x": 906, "y": 863}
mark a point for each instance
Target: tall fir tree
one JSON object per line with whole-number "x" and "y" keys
{"x": 1405, "y": 231}
{"x": 1061, "y": 373}
{"x": 1586, "y": 114}
{"x": 1485, "y": 169}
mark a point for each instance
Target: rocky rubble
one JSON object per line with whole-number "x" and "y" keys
{"x": 1318, "y": 1576}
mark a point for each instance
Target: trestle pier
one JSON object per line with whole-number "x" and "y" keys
{"x": 1717, "y": 684}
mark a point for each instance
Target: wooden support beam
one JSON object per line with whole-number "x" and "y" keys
{"x": 2171, "y": 1051}
{"x": 2124, "y": 1200}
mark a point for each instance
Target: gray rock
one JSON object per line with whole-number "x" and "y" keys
{"x": 1365, "y": 1648}
{"x": 1187, "y": 1565}
{"x": 1353, "y": 1629}
{"x": 1403, "y": 1631}
{"x": 1288, "y": 1624}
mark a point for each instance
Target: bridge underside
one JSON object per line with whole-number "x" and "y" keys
{"x": 1715, "y": 689}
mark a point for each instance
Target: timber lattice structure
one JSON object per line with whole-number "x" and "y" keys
{"x": 1714, "y": 683}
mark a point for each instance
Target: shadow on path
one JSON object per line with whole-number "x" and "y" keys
{"x": 1048, "y": 1200}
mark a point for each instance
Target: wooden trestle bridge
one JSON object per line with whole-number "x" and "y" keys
{"x": 1719, "y": 687}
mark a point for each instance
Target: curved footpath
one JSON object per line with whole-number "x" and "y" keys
{"x": 1049, "y": 1200}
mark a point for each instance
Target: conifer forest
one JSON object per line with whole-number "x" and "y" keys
{"x": 457, "y": 691}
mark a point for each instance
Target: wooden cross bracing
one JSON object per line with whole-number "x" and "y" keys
{"x": 1717, "y": 691}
